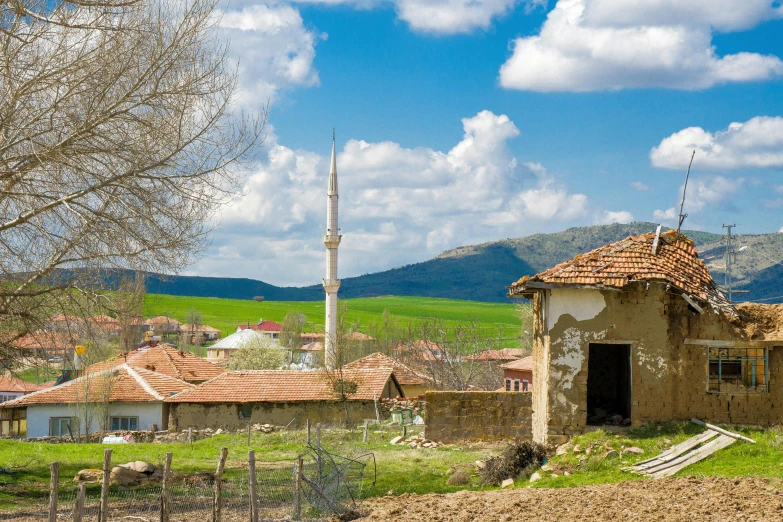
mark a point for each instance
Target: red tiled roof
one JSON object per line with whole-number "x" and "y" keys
{"x": 618, "y": 264}
{"x": 123, "y": 383}
{"x": 162, "y": 319}
{"x": 262, "y": 326}
{"x": 164, "y": 358}
{"x": 522, "y": 365}
{"x": 197, "y": 328}
{"x": 103, "y": 319}
{"x": 506, "y": 354}
{"x": 404, "y": 373}
{"x": 16, "y": 385}
{"x": 285, "y": 386}
{"x": 41, "y": 340}
{"x": 65, "y": 318}
{"x": 420, "y": 350}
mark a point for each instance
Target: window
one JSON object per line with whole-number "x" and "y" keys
{"x": 516, "y": 385}
{"x": 525, "y": 385}
{"x": 59, "y": 426}
{"x": 124, "y": 423}
{"x": 508, "y": 384}
{"x": 246, "y": 411}
{"x": 738, "y": 370}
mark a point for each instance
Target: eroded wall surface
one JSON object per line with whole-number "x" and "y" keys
{"x": 472, "y": 415}
{"x": 227, "y": 416}
{"x": 669, "y": 379}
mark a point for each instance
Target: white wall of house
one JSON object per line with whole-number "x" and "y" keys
{"x": 38, "y": 416}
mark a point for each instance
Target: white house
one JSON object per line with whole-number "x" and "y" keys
{"x": 130, "y": 397}
{"x": 221, "y": 351}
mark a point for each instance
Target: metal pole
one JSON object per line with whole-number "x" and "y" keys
{"x": 164, "y": 494}
{"x": 104, "y": 509}
{"x": 684, "y": 188}
{"x": 78, "y": 508}
{"x": 251, "y": 465}
{"x": 54, "y": 484}
{"x": 217, "y": 497}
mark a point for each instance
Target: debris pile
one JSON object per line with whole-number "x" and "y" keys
{"x": 416, "y": 441}
{"x": 132, "y": 473}
{"x": 761, "y": 321}
{"x": 519, "y": 459}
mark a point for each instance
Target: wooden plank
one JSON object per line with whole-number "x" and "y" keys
{"x": 690, "y": 301}
{"x": 700, "y": 454}
{"x": 724, "y": 432}
{"x": 675, "y": 451}
{"x": 656, "y": 240}
{"x": 680, "y": 458}
{"x": 717, "y": 343}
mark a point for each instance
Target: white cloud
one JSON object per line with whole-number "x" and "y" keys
{"x": 638, "y": 185}
{"x": 781, "y": 230}
{"x": 701, "y": 194}
{"x": 398, "y": 205}
{"x": 442, "y": 16}
{"x": 608, "y": 217}
{"x": 757, "y": 143}
{"x": 274, "y": 49}
{"x": 588, "y": 45}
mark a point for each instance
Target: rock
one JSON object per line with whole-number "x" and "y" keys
{"x": 588, "y": 451}
{"x": 554, "y": 475}
{"x": 218, "y": 431}
{"x": 633, "y": 450}
{"x": 459, "y": 478}
{"x": 535, "y": 476}
{"x": 397, "y": 440}
{"x": 120, "y": 476}
{"x": 89, "y": 475}
{"x": 577, "y": 448}
{"x": 566, "y": 474}
{"x": 611, "y": 454}
{"x": 561, "y": 450}
{"x": 480, "y": 464}
{"x": 546, "y": 467}
{"x": 508, "y": 483}
{"x": 140, "y": 466}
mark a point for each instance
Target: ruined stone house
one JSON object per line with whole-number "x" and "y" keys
{"x": 640, "y": 330}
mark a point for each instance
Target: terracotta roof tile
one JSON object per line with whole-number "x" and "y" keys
{"x": 166, "y": 359}
{"x": 162, "y": 320}
{"x": 123, "y": 383}
{"x": 404, "y": 373}
{"x": 506, "y": 354}
{"x": 17, "y": 385}
{"x": 197, "y": 328}
{"x": 284, "y": 386}
{"x": 262, "y": 326}
{"x": 41, "y": 340}
{"x": 618, "y": 264}
{"x": 524, "y": 364}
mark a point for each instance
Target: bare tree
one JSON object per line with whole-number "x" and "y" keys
{"x": 128, "y": 303}
{"x": 291, "y": 331}
{"x": 117, "y": 146}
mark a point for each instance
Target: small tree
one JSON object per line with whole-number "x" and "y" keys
{"x": 291, "y": 331}
{"x": 259, "y": 354}
{"x": 128, "y": 304}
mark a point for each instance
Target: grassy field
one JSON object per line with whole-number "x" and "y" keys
{"x": 763, "y": 459}
{"x": 400, "y": 469}
{"x": 226, "y": 314}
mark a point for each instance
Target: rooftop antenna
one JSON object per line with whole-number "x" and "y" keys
{"x": 684, "y": 188}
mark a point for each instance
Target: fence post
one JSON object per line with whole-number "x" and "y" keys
{"x": 190, "y": 435}
{"x": 308, "y": 432}
{"x": 298, "y": 489}
{"x": 104, "y": 510}
{"x": 54, "y": 484}
{"x": 248, "y": 434}
{"x": 164, "y": 492}
{"x": 217, "y": 500}
{"x": 364, "y": 437}
{"x": 251, "y": 466}
{"x": 404, "y": 431}
{"x": 78, "y": 508}
{"x": 318, "y": 435}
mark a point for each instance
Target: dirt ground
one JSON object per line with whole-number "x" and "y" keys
{"x": 674, "y": 499}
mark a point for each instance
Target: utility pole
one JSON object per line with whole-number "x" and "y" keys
{"x": 682, "y": 216}
{"x": 729, "y": 256}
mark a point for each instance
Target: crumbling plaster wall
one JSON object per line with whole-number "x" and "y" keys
{"x": 457, "y": 416}
{"x": 668, "y": 378}
{"x": 226, "y": 416}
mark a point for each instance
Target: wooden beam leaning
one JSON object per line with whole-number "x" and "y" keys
{"x": 721, "y": 430}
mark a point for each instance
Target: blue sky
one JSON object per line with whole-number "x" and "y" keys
{"x": 464, "y": 121}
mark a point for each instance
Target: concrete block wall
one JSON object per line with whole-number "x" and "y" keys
{"x": 474, "y": 415}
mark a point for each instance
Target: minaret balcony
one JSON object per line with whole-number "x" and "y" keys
{"x": 331, "y": 285}
{"x": 332, "y": 241}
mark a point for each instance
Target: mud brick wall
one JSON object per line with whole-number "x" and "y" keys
{"x": 473, "y": 415}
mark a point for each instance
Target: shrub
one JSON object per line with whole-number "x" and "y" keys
{"x": 517, "y": 459}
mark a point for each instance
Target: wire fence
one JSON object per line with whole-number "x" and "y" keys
{"x": 326, "y": 484}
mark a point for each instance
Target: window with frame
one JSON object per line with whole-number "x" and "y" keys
{"x": 124, "y": 423}
{"x": 59, "y": 426}
{"x": 738, "y": 370}
{"x": 525, "y": 385}
{"x": 517, "y": 385}
{"x": 508, "y": 384}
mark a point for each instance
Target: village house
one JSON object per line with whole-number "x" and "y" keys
{"x": 198, "y": 334}
{"x": 54, "y": 347}
{"x": 12, "y": 388}
{"x": 282, "y": 398}
{"x": 269, "y": 328}
{"x": 637, "y": 331}
{"x": 501, "y": 356}
{"x": 165, "y": 359}
{"x": 221, "y": 351}
{"x": 121, "y": 398}
{"x": 413, "y": 383}
{"x": 518, "y": 374}
{"x": 163, "y": 325}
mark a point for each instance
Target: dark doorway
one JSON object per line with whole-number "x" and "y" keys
{"x": 609, "y": 384}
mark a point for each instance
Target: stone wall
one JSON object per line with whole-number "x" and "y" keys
{"x": 474, "y": 415}
{"x": 292, "y": 414}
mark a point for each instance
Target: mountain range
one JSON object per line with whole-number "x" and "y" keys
{"x": 481, "y": 272}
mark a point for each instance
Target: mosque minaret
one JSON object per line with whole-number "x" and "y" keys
{"x": 331, "y": 283}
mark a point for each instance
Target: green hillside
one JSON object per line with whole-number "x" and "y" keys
{"x": 226, "y": 314}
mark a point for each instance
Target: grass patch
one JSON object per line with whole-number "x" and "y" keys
{"x": 400, "y": 469}
{"x": 763, "y": 459}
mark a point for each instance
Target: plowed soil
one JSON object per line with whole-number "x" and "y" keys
{"x": 674, "y": 499}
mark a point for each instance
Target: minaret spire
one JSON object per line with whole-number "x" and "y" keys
{"x": 331, "y": 283}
